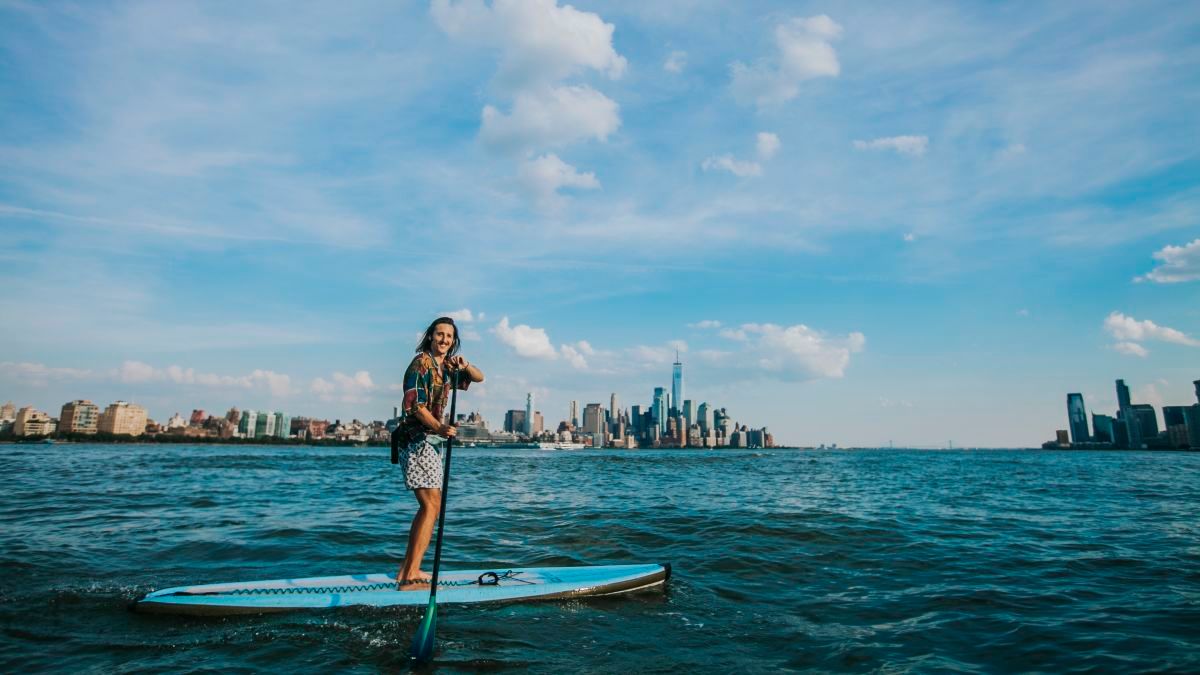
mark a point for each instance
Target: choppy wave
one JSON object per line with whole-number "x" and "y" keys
{"x": 896, "y": 561}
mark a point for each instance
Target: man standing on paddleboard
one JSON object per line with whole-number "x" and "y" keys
{"x": 427, "y": 384}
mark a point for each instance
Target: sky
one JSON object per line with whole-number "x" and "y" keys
{"x": 858, "y": 223}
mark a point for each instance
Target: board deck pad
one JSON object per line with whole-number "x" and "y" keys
{"x": 381, "y": 590}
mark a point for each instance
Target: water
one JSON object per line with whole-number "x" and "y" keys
{"x": 784, "y": 560}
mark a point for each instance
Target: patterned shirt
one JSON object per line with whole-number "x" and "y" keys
{"x": 425, "y": 387}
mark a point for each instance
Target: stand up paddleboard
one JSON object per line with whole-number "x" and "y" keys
{"x": 381, "y": 590}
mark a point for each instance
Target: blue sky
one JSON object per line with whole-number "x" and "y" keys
{"x": 907, "y": 222}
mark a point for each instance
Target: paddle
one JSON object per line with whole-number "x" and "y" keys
{"x": 426, "y": 637}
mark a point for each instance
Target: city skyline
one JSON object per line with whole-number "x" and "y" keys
{"x": 933, "y": 216}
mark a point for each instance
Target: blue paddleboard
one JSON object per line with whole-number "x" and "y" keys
{"x": 381, "y": 590}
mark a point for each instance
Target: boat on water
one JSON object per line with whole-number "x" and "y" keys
{"x": 561, "y": 446}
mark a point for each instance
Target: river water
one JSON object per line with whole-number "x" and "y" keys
{"x": 783, "y": 560}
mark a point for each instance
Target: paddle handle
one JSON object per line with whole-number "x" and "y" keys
{"x": 437, "y": 549}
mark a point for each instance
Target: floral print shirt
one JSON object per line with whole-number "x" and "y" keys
{"x": 425, "y": 387}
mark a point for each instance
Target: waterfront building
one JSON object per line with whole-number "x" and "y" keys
{"x": 573, "y": 418}
{"x": 176, "y": 422}
{"x": 264, "y": 425}
{"x": 1102, "y": 428}
{"x": 1173, "y": 415}
{"x": 1192, "y": 417}
{"x": 1077, "y": 419}
{"x": 676, "y": 385}
{"x": 705, "y": 418}
{"x": 32, "y": 422}
{"x": 529, "y": 414}
{"x": 123, "y": 418}
{"x": 1120, "y": 434}
{"x": 635, "y": 420}
{"x": 1064, "y": 439}
{"x": 197, "y": 418}
{"x": 79, "y": 417}
{"x": 247, "y": 423}
{"x": 283, "y": 425}
{"x": 659, "y": 409}
{"x": 8, "y": 412}
{"x": 539, "y": 423}
{"x": 1196, "y": 383}
{"x": 593, "y": 419}
{"x": 1147, "y": 420}
{"x": 612, "y": 409}
{"x": 1125, "y": 412}
{"x": 689, "y": 413}
{"x": 514, "y": 421}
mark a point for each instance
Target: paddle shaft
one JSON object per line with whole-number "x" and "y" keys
{"x": 437, "y": 549}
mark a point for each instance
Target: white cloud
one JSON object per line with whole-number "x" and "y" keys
{"x": 540, "y": 42}
{"x": 705, "y": 324}
{"x": 1176, "y": 264}
{"x": 354, "y": 388}
{"x": 574, "y": 357}
{"x": 461, "y": 315}
{"x": 768, "y": 144}
{"x": 137, "y": 372}
{"x": 736, "y": 167}
{"x": 675, "y": 62}
{"x": 526, "y": 341}
{"x": 543, "y": 177}
{"x": 1129, "y": 329}
{"x": 799, "y": 351}
{"x": 1131, "y": 349}
{"x": 909, "y": 236}
{"x": 804, "y": 53}
{"x": 550, "y": 117}
{"x": 906, "y": 145}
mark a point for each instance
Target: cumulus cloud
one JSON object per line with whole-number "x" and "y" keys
{"x": 676, "y": 62}
{"x": 463, "y": 315}
{"x": 705, "y": 324}
{"x": 804, "y": 51}
{"x": 737, "y": 167}
{"x": 550, "y": 117}
{"x": 541, "y": 44}
{"x": 1128, "y": 329}
{"x": 1130, "y": 349}
{"x": 1176, "y": 264}
{"x": 526, "y": 341}
{"x": 354, "y": 388}
{"x": 573, "y": 356}
{"x": 798, "y": 352}
{"x": 137, "y": 372}
{"x": 544, "y": 176}
{"x": 768, "y": 144}
{"x": 539, "y": 41}
{"x": 914, "y": 146}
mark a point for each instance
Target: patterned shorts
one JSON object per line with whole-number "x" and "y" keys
{"x": 422, "y": 465}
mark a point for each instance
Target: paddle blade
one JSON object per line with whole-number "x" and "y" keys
{"x": 426, "y": 636}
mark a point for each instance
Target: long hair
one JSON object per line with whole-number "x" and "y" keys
{"x": 426, "y": 344}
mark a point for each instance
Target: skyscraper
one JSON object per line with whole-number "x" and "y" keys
{"x": 529, "y": 414}
{"x": 1147, "y": 420}
{"x": 1102, "y": 428}
{"x": 1125, "y": 412}
{"x": 676, "y": 385}
{"x": 612, "y": 408}
{"x": 658, "y": 409}
{"x": 689, "y": 413}
{"x": 573, "y": 418}
{"x": 1077, "y": 418}
{"x": 1197, "y": 385}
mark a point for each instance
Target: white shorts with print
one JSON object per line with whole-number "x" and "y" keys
{"x": 422, "y": 465}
